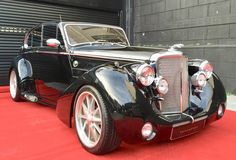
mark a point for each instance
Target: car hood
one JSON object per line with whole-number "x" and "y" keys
{"x": 121, "y": 53}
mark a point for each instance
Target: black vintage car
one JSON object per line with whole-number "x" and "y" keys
{"x": 111, "y": 91}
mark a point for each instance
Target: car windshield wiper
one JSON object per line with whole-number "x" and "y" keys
{"x": 121, "y": 43}
{"x": 112, "y": 43}
{"x": 86, "y": 44}
{"x": 99, "y": 42}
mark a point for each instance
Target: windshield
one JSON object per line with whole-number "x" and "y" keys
{"x": 78, "y": 34}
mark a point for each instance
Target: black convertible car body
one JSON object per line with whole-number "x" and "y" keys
{"x": 111, "y": 91}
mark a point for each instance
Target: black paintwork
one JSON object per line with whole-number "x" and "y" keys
{"x": 55, "y": 81}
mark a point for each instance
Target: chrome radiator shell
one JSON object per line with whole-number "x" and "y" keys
{"x": 175, "y": 70}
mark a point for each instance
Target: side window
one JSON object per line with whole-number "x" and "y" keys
{"x": 37, "y": 37}
{"x": 48, "y": 32}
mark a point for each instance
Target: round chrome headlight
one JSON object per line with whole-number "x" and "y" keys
{"x": 207, "y": 68}
{"x": 145, "y": 74}
{"x": 199, "y": 79}
{"x": 162, "y": 85}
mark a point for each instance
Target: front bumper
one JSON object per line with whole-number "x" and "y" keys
{"x": 129, "y": 129}
{"x": 184, "y": 129}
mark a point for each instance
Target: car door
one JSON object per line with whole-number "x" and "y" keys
{"x": 51, "y": 69}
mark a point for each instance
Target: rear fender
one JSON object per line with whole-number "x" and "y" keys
{"x": 24, "y": 73}
{"x": 23, "y": 68}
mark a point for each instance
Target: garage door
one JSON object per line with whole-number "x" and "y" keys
{"x": 16, "y": 17}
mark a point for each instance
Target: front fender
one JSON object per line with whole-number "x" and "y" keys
{"x": 125, "y": 97}
{"x": 219, "y": 94}
{"x": 117, "y": 88}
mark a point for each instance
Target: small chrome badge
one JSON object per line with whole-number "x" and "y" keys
{"x": 75, "y": 63}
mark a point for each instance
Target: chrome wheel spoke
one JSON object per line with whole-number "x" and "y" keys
{"x": 92, "y": 105}
{"x": 87, "y": 102}
{"x": 89, "y": 119}
{"x": 83, "y": 117}
{"x": 89, "y": 132}
{"x": 96, "y": 111}
{"x": 96, "y": 119}
{"x": 97, "y": 127}
{"x": 94, "y": 133}
{"x": 85, "y": 108}
{"x": 85, "y": 125}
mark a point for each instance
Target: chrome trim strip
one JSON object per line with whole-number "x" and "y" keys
{"x": 174, "y": 112}
{"x": 81, "y": 69}
{"x": 181, "y": 96}
{"x": 92, "y": 55}
{"x": 180, "y": 124}
{"x": 64, "y": 36}
{"x": 189, "y": 116}
{"x": 155, "y": 57}
{"x": 100, "y": 56}
{"x": 51, "y": 52}
{"x": 186, "y": 134}
{"x": 187, "y": 122}
{"x": 201, "y": 118}
{"x": 99, "y": 25}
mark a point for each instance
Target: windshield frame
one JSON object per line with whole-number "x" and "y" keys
{"x": 95, "y": 25}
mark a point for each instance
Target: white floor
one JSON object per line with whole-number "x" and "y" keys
{"x": 231, "y": 102}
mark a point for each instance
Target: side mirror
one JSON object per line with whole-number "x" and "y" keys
{"x": 53, "y": 42}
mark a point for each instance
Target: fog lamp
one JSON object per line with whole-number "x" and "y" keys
{"x": 199, "y": 79}
{"x": 148, "y": 131}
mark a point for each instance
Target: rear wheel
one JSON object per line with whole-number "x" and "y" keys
{"x": 14, "y": 88}
{"x": 93, "y": 123}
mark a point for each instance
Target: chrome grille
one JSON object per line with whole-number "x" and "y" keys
{"x": 175, "y": 71}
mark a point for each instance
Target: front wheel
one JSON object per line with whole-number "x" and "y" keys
{"x": 93, "y": 123}
{"x": 13, "y": 85}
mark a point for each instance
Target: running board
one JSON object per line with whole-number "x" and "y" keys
{"x": 30, "y": 97}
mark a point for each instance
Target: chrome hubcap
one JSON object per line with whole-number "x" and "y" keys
{"x": 13, "y": 84}
{"x": 88, "y": 119}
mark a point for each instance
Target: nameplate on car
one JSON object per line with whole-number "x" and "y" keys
{"x": 188, "y": 129}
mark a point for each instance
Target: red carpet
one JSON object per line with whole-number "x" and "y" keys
{"x": 4, "y": 89}
{"x": 33, "y": 132}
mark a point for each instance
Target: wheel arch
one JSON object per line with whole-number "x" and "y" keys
{"x": 13, "y": 65}
{"x": 23, "y": 68}
{"x": 115, "y": 86}
{"x": 65, "y": 104}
